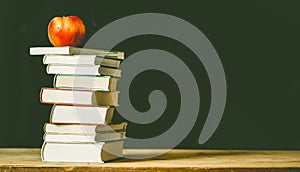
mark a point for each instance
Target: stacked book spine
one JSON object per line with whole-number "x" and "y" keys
{"x": 84, "y": 95}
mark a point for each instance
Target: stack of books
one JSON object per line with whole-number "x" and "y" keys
{"x": 84, "y": 95}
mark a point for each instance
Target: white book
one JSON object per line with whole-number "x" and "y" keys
{"x": 68, "y": 50}
{"x": 78, "y": 97}
{"x": 95, "y": 70}
{"x": 75, "y": 138}
{"x": 103, "y": 83}
{"x": 62, "y": 114}
{"x": 80, "y": 60}
{"x": 83, "y": 128}
{"x": 82, "y": 152}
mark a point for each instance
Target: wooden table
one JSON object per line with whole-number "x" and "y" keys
{"x": 174, "y": 160}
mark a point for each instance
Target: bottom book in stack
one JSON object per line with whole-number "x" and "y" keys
{"x": 81, "y": 152}
{"x": 75, "y": 135}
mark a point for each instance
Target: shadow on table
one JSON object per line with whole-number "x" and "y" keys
{"x": 173, "y": 155}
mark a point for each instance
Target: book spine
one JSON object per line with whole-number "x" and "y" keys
{"x": 113, "y": 84}
{"x": 115, "y": 55}
{"x": 51, "y": 114}
{"x": 41, "y": 95}
{"x": 109, "y": 71}
{"x": 42, "y": 151}
{"x": 109, "y": 115}
{"x": 54, "y": 80}
{"x": 44, "y": 59}
{"x": 47, "y": 69}
{"x": 125, "y": 126}
{"x": 44, "y": 137}
{"x": 44, "y": 127}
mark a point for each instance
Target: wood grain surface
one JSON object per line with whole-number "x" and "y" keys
{"x": 19, "y": 159}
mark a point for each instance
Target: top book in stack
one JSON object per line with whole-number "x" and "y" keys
{"x": 68, "y": 50}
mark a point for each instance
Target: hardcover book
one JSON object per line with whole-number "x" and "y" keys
{"x": 101, "y": 83}
{"x": 62, "y": 114}
{"x": 80, "y": 60}
{"x": 84, "y": 138}
{"x": 95, "y": 70}
{"x": 83, "y": 128}
{"x": 78, "y": 97}
{"x": 69, "y": 50}
{"x": 82, "y": 152}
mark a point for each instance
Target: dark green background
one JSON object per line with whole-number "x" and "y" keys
{"x": 257, "y": 41}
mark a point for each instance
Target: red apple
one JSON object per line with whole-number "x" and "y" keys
{"x": 66, "y": 31}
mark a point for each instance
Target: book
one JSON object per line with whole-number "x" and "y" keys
{"x": 69, "y": 50}
{"x": 83, "y": 128}
{"x": 102, "y": 83}
{"x": 95, "y": 70}
{"x": 82, "y": 152}
{"x": 80, "y": 60}
{"x": 78, "y": 97}
{"x": 61, "y": 114}
{"x": 97, "y": 137}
